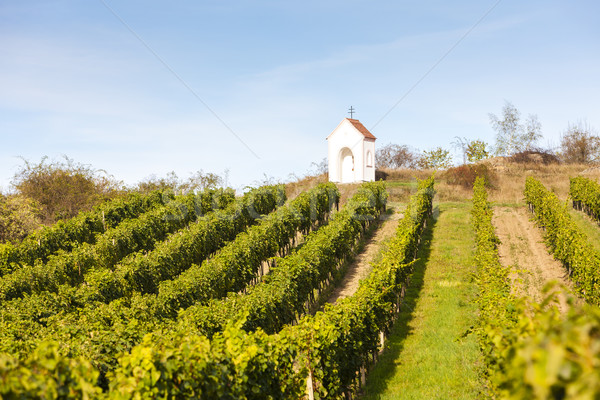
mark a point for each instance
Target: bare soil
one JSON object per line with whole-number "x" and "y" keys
{"x": 361, "y": 265}
{"x": 523, "y": 250}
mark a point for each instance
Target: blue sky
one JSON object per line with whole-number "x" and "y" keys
{"x": 254, "y": 87}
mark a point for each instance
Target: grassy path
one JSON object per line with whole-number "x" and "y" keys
{"x": 589, "y": 227}
{"x": 428, "y": 355}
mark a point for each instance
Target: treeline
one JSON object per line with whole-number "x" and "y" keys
{"x": 516, "y": 138}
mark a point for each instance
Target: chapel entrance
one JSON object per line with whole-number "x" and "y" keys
{"x": 346, "y": 165}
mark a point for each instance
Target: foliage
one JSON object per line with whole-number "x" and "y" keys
{"x": 465, "y": 175}
{"x": 565, "y": 240}
{"x": 84, "y": 228}
{"x": 477, "y": 150}
{"x": 395, "y": 156}
{"x": 289, "y": 288}
{"x": 233, "y": 268}
{"x": 332, "y": 346}
{"x": 552, "y": 356}
{"x": 128, "y": 237}
{"x": 472, "y": 150}
{"x": 63, "y": 188}
{"x": 73, "y": 314}
{"x": 173, "y": 258}
{"x": 234, "y": 365}
{"x": 496, "y": 303}
{"x": 437, "y": 158}
{"x": 585, "y": 194}
{"x": 511, "y": 135}
{"x": 19, "y": 216}
{"x": 580, "y": 144}
{"x": 530, "y": 350}
{"x": 46, "y": 374}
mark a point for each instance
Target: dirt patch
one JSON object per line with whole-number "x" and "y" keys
{"x": 523, "y": 250}
{"x": 361, "y": 266}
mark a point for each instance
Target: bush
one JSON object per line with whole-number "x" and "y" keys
{"x": 466, "y": 174}
{"x": 63, "y": 188}
{"x": 535, "y": 156}
{"x": 381, "y": 175}
{"x": 19, "y": 216}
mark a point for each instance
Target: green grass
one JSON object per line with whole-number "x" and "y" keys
{"x": 589, "y": 227}
{"x": 409, "y": 183}
{"x": 430, "y": 354}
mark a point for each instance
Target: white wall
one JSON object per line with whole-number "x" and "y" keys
{"x": 369, "y": 156}
{"x": 345, "y": 136}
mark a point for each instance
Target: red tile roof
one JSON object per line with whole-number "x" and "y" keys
{"x": 361, "y": 128}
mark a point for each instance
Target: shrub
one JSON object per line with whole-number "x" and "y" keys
{"x": 19, "y": 216}
{"x": 63, "y": 188}
{"x": 466, "y": 174}
{"x": 580, "y": 144}
{"x": 535, "y": 156}
{"x": 380, "y": 175}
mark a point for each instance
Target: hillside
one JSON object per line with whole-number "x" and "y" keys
{"x": 377, "y": 290}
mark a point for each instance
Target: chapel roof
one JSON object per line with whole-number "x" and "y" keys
{"x": 361, "y": 128}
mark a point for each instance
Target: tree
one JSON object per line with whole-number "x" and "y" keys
{"x": 395, "y": 156}
{"x": 580, "y": 144}
{"x": 437, "y": 158}
{"x": 476, "y": 151}
{"x": 532, "y": 134}
{"x": 63, "y": 188}
{"x": 472, "y": 150}
{"x": 512, "y": 136}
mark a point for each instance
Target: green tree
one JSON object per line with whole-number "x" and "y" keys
{"x": 477, "y": 150}
{"x": 437, "y": 158}
{"x": 511, "y": 135}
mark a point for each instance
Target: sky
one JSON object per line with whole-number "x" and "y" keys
{"x": 251, "y": 89}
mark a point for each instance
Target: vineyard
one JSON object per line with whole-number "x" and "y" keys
{"x": 210, "y": 295}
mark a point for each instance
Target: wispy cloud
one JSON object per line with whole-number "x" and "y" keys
{"x": 424, "y": 44}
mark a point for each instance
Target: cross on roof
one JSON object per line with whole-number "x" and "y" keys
{"x": 351, "y": 111}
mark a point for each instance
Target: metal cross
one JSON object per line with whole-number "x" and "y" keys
{"x": 351, "y": 111}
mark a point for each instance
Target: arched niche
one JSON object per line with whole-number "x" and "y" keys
{"x": 346, "y": 165}
{"x": 369, "y": 158}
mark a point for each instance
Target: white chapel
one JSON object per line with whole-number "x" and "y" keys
{"x": 351, "y": 153}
